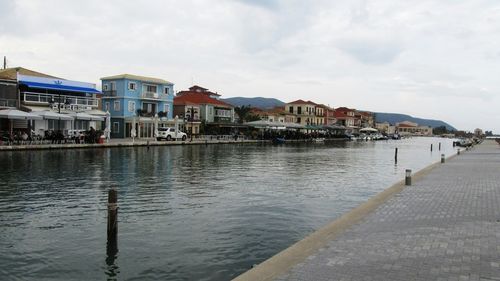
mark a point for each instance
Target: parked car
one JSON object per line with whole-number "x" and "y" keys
{"x": 169, "y": 134}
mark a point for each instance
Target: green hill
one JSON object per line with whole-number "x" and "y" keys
{"x": 393, "y": 118}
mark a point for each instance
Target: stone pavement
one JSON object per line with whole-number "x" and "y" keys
{"x": 446, "y": 226}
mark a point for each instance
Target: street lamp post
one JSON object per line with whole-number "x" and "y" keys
{"x": 191, "y": 116}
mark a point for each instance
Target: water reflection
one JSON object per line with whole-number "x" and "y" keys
{"x": 186, "y": 212}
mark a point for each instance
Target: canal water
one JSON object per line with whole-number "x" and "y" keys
{"x": 185, "y": 212}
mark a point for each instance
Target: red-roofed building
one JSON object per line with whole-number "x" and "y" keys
{"x": 276, "y": 114}
{"x": 307, "y": 112}
{"x": 328, "y": 115}
{"x": 364, "y": 119}
{"x": 199, "y": 104}
{"x": 346, "y": 117}
{"x": 198, "y": 89}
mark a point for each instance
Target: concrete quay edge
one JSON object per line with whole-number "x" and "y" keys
{"x": 282, "y": 262}
{"x": 120, "y": 144}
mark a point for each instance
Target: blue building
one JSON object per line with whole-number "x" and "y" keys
{"x": 132, "y": 99}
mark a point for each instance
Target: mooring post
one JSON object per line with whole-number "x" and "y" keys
{"x": 458, "y": 151}
{"x": 442, "y": 158}
{"x": 439, "y": 146}
{"x": 431, "y": 147}
{"x": 396, "y": 154}
{"x": 112, "y": 215}
{"x": 408, "y": 177}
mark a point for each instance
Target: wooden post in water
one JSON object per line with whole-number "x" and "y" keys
{"x": 442, "y": 158}
{"x": 431, "y": 147}
{"x": 439, "y": 146}
{"x": 112, "y": 216}
{"x": 458, "y": 151}
{"x": 396, "y": 155}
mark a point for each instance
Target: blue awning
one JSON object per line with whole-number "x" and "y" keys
{"x": 38, "y": 85}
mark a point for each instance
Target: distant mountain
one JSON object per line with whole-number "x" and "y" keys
{"x": 262, "y": 103}
{"x": 396, "y": 117}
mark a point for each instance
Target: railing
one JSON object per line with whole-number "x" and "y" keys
{"x": 8, "y": 103}
{"x": 70, "y": 101}
{"x": 150, "y": 95}
{"x": 111, "y": 93}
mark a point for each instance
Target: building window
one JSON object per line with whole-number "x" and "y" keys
{"x": 131, "y": 106}
{"x": 105, "y": 87}
{"x": 299, "y": 110}
{"x": 132, "y": 86}
{"x": 291, "y": 109}
{"x": 116, "y": 105}
{"x": 166, "y": 108}
{"x": 151, "y": 88}
{"x": 166, "y": 90}
{"x": 116, "y": 127}
{"x": 113, "y": 86}
{"x": 106, "y": 106}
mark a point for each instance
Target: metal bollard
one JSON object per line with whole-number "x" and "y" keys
{"x": 408, "y": 177}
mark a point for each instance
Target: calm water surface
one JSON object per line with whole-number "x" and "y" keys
{"x": 186, "y": 212}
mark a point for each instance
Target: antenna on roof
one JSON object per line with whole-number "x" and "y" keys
{"x": 4, "y": 62}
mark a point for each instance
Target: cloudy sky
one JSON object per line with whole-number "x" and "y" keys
{"x": 431, "y": 59}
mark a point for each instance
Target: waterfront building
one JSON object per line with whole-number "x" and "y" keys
{"x": 478, "y": 132}
{"x": 366, "y": 119}
{"x": 407, "y": 128}
{"x": 216, "y": 114}
{"x": 328, "y": 115}
{"x": 137, "y": 102}
{"x": 385, "y": 128}
{"x": 64, "y": 104}
{"x": 276, "y": 114}
{"x": 189, "y": 112}
{"x": 346, "y": 117}
{"x": 305, "y": 112}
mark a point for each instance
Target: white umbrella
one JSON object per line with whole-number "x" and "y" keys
{"x": 176, "y": 125}
{"x": 107, "y": 130}
{"x": 133, "y": 133}
{"x": 156, "y": 125}
{"x": 18, "y": 114}
{"x": 368, "y": 130}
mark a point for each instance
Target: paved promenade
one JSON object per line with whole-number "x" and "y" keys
{"x": 446, "y": 226}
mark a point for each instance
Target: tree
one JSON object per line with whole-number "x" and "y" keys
{"x": 440, "y": 130}
{"x": 243, "y": 113}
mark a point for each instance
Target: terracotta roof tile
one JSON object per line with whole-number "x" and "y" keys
{"x": 199, "y": 98}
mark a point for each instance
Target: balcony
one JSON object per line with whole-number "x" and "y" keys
{"x": 109, "y": 93}
{"x": 150, "y": 95}
{"x": 69, "y": 102}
